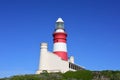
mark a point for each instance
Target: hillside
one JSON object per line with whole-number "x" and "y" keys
{"x": 77, "y": 75}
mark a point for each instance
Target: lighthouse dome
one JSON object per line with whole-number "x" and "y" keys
{"x": 59, "y": 24}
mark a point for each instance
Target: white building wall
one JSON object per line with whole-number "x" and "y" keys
{"x": 51, "y": 62}
{"x": 56, "y": 63}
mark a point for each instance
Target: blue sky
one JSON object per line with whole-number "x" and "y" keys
{"x": 93, "y": 28}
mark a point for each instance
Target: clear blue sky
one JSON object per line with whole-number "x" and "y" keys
{"x": 93, "y": 28}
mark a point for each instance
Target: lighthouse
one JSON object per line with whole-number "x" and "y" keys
{"x": 57, "y": 60}
{"x": 59, "y": 35}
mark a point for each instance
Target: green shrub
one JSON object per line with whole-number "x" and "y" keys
{"x": 82, "y": 74}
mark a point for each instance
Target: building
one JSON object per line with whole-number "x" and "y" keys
{"x": 57, "y": 61}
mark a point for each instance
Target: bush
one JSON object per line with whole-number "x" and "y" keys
{"x": 81, "y": 75}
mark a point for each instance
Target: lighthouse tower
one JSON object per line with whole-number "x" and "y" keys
{"x": 59, "y": 35}
{"x": 57, "y": 61}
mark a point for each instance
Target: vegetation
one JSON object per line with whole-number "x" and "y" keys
{"x": 70, "y": 75}
{"x": 82, "y": 74}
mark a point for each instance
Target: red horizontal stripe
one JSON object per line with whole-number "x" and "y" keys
{"x": 59, "y": 40}
{"x": 59, "y": 33}
{"x": 62, "y": 54}
{"x": 59, "y": 37}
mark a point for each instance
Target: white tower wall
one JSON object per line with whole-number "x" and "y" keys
{"x": 71, "y": 59}
{"x": 43, "y": 56}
